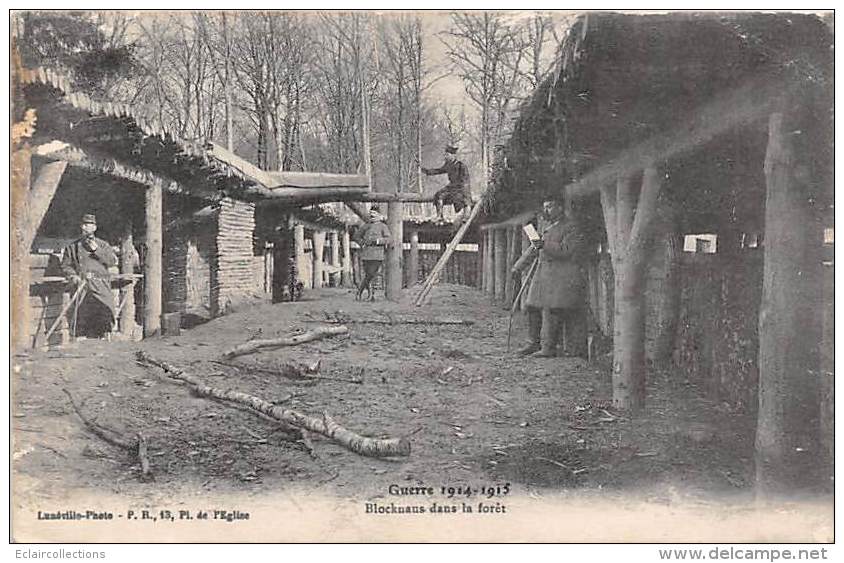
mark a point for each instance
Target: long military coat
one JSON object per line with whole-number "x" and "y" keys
{"x": 373, "y": 237}
{"x": 78, "y": 260}
{"x": 560, "y": 279}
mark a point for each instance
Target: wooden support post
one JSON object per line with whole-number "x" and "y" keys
{"x": 299, "y": 254}
{"x": 479, "y": 264}
{"x": 500, "y": 243}
{"x": 21, "y": 169}
{"x": 489, "y": 267}
{"x": 334, "y": 277}
{"x": 269, "y": 266}
{"x": 629, "y": 233}
{"x": 128, "y": 260}
{"x": 153, "y": 263}
{"x": 318, "y": 239}
{"x": 413, "y": 259}
{"x": 347, "y": 277}
{"x": 670, "y": 244}
{"x": 509, "y": 283}
{"x": 393, "y": 273}
{"x": 789, "y": 319}
{"x": 525, "y": 244}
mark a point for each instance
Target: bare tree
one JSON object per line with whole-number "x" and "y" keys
{"x": 488, "y": 53}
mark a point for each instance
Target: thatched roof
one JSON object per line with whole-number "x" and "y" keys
{"x": 623, "y": 79}
{"x": 120, "y": 139}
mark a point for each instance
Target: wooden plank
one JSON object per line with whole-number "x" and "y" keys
{"x": 41, "y": 194}
{"x": 449, "y": 250}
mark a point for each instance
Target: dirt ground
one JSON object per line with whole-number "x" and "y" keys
{"x": 473, "y": 414}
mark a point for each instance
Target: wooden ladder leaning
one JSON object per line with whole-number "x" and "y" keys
{"x": 424, "y": 294}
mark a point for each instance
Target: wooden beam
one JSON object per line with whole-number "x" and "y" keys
{"x": 359, "y": 209}
{"x": 41, "y": 194}
{"x": 153, "y": 262}
{"x": 393, "y": 266}
{"x": 273, "y": 180}
{"x": 737, "y": 107}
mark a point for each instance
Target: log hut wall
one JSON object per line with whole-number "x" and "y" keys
{"x": 462, "y": 269}
{"x": 232, "y": 279}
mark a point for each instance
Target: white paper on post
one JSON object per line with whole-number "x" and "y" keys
{"x": 531, "y": 233}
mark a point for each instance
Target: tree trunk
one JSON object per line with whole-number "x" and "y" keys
{"x": 631, "y": 237}
{"x": 153, "y": 262}
{"x": 788, "y": 319}
{"x": 393, "y": 274}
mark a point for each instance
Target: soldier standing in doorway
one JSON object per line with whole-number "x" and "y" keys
{"x": 556, "y": 299}
{"x": 456, "y": 192}
{"x": 87, "y": 260}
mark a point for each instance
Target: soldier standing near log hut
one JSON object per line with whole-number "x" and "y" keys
{"x": 86, "y": 261}
{"x": 373, "y": 237}
{"x": 556, "y": 298}
{"x": 456, "y": 192}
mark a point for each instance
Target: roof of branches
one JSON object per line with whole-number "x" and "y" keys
{"x": 623, "y": 78}
{"x": 106, "y": 130}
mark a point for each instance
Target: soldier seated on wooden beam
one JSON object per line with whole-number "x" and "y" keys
{"x": 456, "y": 192}
{"x": 86, "y": 261}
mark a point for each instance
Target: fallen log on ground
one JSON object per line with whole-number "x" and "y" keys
{"x": 291, "y": 370}
{"x": 255, "y": 345}
{"x": 326, "y": 426}
{"x": 137, "y": 448}
{"x": 342, "y": 319}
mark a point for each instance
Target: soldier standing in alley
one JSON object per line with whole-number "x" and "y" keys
{"x": 556, "y": 299}
{"x": 373, "y": 237}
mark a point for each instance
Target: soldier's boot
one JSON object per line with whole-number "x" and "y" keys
{"x": 534, "y": 332}
{"x": 552, "y": 326}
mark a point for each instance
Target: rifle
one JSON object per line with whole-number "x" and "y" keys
{"x": 528, "y": 279}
